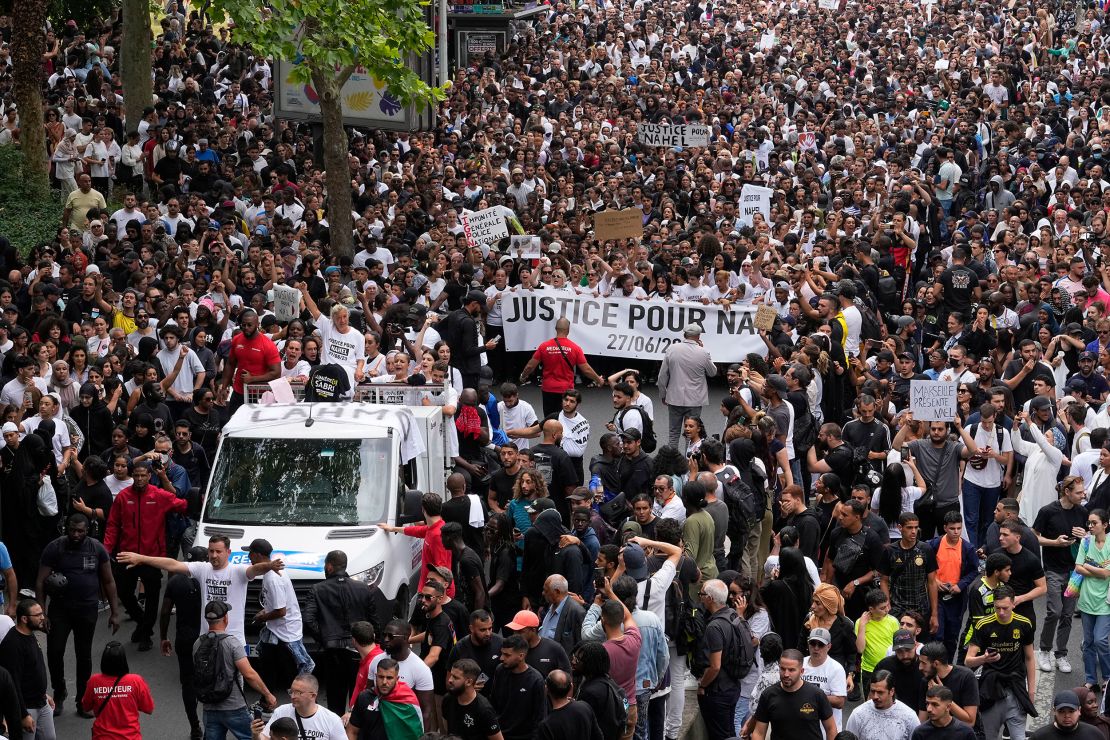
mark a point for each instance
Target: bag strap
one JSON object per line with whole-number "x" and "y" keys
{"x": 563, "y": 352}
{"x": 104, "y": 701}
{"x": 300, "y": 726}
{"x": 647, "y": 594}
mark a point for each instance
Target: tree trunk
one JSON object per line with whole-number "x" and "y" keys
{"x": 338, "y": 180}
{"x": 135, "y": 62}
{"x": 28, "y": 46}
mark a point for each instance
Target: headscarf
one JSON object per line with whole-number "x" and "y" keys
{"x": 788, "y": 596}
{"x": 830, "y": 598}
{"x": 66, "y": 147}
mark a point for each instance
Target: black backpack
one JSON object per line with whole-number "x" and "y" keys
{"x": 212, "y": 680}
{"x": 647, "y": 439}
{"x": 738, "y": 655}
{"x": 889, "y": 295}
{"x": 612, "y": 719}
{"x": 746, "y": 507}
{"x": 674, "y": 606}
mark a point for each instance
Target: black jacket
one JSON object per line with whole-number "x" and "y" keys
{"x": 333, "y": 605}
{"x": 462, "y": 337}
{"x": 809, "y": 531}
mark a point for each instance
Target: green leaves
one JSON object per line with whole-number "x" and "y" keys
{"x": 324, "y": 36}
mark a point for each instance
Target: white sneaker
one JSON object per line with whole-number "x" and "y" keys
{"x": 1063, "y": 665}
{"x": 1045, "y": 662}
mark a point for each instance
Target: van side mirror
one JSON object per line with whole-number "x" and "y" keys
{"x": 193, "y": 500}
{"x": 411, "y": 512}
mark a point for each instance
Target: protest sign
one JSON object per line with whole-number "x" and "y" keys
{"x": 625, "y": 327}
{"x": 687, "y": 135}
{"x": 754, "y": 198}
{"x": 767, "y": 41}
{"x": 484, "y": 227}
{"x": 828, "y": 4}
{"x": 807, "y": 141}
{"x": 933, "y": 400}
{"x": 626, "y": 224}
{"x": 525, "y": 247}
{"x": 287, "y": 302}
{"x": 765, "y": 318}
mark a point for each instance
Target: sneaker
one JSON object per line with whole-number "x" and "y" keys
{"x": 1045, "y": 662}
{"x": 1062, "y": 664}
{"x": 691, "y": 682}
{"x": 146, "y": 645}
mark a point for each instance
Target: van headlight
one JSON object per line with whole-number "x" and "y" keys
{"x": 372, "y": 576}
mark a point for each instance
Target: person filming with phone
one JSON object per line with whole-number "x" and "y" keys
{"x": 1060, "y": 526}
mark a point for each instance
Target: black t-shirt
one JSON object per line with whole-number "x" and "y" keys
{"x": 501, "y": 483}
{"x": 96, "y": 496}
{"x": 801, "y": 711}
{"x": 901, "y": 392}
{"x": 547, "y": 656}
{"x": 206, "y": 429}
{"x": 963, "y": 685}
{"x": 553, "y": 463}
{"x": 488, "y": 657}
{"x": 575, "y": 720}
{"x": 854, "y": 555}
{"x": 1025, "y": 568}
{"x": 1024, "y": 390}
{"x": 873, "y": 435}
{"x": 1052, "y": 521}
{"x": 458, "y": 510}
{"x": 1083, "y": 731}
{"x": 455, "y": 610}
{"x": 183, "y": 591}
{"x": 367, "y": 717}
{"x": 327, "y": 383}
{"x": 439, "y": 632}
{"x": 465, "y": 568}
{"x": 1009, "y": 639}
{"x": 959, "y": 283}
{"x": 81, "y": 567}
{"x": 475, "y": 721}
{"x": 954, "y": 730}
{"x": 909, "y": 683}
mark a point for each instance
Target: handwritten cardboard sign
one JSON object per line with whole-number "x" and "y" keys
{"x": 765, "y": 318}
{"x": 624, "y": 224}
{"x": 933, "y": 400}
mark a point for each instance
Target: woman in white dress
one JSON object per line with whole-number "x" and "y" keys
{"x": 1042, "y": 463}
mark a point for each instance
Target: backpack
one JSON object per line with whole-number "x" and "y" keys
{"x": 889, "y": 297}
{"x": 612, "y": 719}
{"x": 212, "y": 680}
{"x": 738, "y": 655}
{"x": 869, "y": 329}
{"x": 805, "y": 429}
{"x": 745, "y": 507}
{"x": 691, "y": 629}
{"x": 647, "y": 441}
{"x": 673, "y": 607}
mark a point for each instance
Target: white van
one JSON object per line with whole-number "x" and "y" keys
{"x": 316, "y": 477}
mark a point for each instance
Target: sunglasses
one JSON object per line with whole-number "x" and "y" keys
{"x": 817, "y": 644}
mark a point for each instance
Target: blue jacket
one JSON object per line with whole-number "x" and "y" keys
{"x": 969, "y": 563}
{"x": 654, "y": 658}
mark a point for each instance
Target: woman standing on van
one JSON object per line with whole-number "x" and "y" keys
{"x": 115, "y": 696}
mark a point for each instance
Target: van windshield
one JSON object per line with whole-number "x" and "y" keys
{"x": 300, "y": 481}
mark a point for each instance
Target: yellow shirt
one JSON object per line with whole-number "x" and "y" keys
{"x": 125, "y": 322}
{"x": 80, "y": 203}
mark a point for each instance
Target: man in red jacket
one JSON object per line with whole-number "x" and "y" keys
{"x": 137, "y": 523}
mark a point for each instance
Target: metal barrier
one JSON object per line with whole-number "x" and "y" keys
{"x": 387, "y": 393}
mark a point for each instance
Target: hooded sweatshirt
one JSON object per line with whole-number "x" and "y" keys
{"x": 1000, "y": 198}
{"x": 95, "y": 423}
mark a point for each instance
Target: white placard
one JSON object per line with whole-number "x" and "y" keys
{"x": 933, "y": 400}
{"x": 755, "y": 198}
{"x": 828, "y": 4}
{"x": 525, "y": 247}
{"x": 625, "y": 327}
{"x": 287, "y": 302}
{"x": 684, "y": 135}
{"x": 484, "y": 227}
{"x": 767, "y": 41}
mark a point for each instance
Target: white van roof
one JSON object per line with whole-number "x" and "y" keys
{"x": 330, "y": 421}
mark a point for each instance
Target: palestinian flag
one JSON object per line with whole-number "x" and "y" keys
{"x": 401, "y": 714}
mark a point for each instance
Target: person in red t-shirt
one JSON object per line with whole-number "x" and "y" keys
{"x": 116, "y": 696}
{"x": 431, "y": 504}
{"x": 253, "y": 358}
{"x": 559, "y": 357}
{"x": 362, "y": 635}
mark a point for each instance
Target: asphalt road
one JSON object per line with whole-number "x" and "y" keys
{"x": 169, "y": 723}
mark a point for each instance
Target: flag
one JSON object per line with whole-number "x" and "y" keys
{"x": 401, "y": 714}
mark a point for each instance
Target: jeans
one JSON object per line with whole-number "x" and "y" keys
{"x": 657, "y": 717}
{"x": 1004, "y": 711}
{"x": 44, "y": 724}
{"x": 718, "y": 709}
{"x": 642, "y": 700}
{"x": 979, "y": 503}
{"x": 126, "y": 580}
{"x": 676, "y": 700}
{"x": 677, "y": 415}
{"x": 743, "y": 707}
{"x": 63, "y": 621}
{"x": 296, "y": 648}
{"x": 1096, "y": 646}
{"x": 219, "y": 722}
{"x": 1059, "y": 612}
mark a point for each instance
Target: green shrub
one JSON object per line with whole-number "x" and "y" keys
{"x": 26, "y": 218}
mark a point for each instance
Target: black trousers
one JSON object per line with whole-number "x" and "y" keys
{"x": 81, "y": 623}
{"x": 552, "y": 403}
{"x": 336, "y": 669}
{"x": 932, "y": 519}
{"x": 126, "y": 581}
{"x": 183, "y": 646}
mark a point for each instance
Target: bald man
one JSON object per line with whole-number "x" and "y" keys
{"x": 554, "y": 464}
{"x": 560, "y": 357}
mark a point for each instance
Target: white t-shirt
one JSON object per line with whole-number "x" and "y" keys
{"x": 190, "y": 369}
{"x": 278, "y": 593}
{"x": 228, "y": 585}
{"x": 324, "y": 724}
{"x": 412, "y": 670}
{"x": 115, "y": 485}
{"x": 854, "y": 319}
{"x": 991, "y": 475}
{"x": 520, "y": 416}
{"x": 830, "y": 678}
{"x": 341, "y": 349}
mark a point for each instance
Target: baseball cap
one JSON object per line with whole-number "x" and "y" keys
{"x": 635, "y": 562}
{"x": 821, "y": 635}
{"x": 441, "y": 571}
{"x": 1088, "y": 356}
{"x": 216, "y": 610}
{"x": 632, "y": 434}
{"x": 904, "y": 639}
{"x": 693, "y": 330}
{"x": 777, "y": 382}
{"x": 904, "y": 321}
{"x": 1076, "y": 384}
{"x": 259, "y": 546}
{"x": 475, "y": 295}
{"x": 1066, "y": 699}
{"x": 525, "y": 618}
{"x": 1039, "y": 403}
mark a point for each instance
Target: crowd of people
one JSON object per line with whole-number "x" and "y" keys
{"x": 939, "y": 210}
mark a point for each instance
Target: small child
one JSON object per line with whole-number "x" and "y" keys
{"x": 874, "y": 635}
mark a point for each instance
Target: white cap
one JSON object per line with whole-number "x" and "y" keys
{"x": 9, "y": 427}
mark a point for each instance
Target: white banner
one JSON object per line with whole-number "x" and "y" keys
{"x": 625, "y": 327}
{"x": 484, "y": 227}
{"x": 661, "y": 134}
{"x": 755, "y": 198}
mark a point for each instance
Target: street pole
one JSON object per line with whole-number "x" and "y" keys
{"x": 442, "y": 33}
